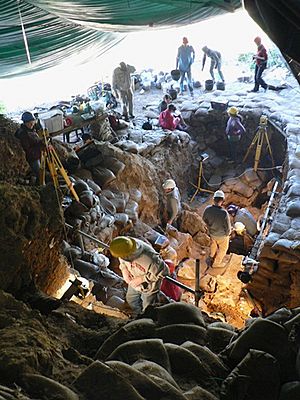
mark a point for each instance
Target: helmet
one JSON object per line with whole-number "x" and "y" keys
{"x": 169, "y": 184}
{"x": 219, "y": 194}
{"x": 233, "y": 111}
{"x": 122, "y": 246}
{"x": 171, "y": 265}
{"x": 239, "y": 227}
{"x": 232, "y": 209}
{"x": 27, "y": 117}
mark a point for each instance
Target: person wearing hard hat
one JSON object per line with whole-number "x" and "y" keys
{"x": 173, "y": 202}
{"x": 234, "y": 131}
{"x": 244, "y": 216}
{"x": 31, "y": 142}
{"x": 240, "y": 242}
{"x": 142, "y": 268}
{"x": 218, "y": 224}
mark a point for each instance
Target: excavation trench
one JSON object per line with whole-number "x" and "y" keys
{"x": 135, "y": 202}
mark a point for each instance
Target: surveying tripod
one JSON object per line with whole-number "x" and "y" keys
{"x": 258, "y": 139}
{"x": 50, "y": 157}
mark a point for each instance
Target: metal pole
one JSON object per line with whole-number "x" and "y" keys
{"x": 198, "y": 292}
{"x": 179, "y": 284}
{"x": 106, "y": 246}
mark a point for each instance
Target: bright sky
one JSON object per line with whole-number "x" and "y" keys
{"x": 231, "y": 34}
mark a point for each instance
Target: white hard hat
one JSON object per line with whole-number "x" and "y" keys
{"x": 169, "y": 184}
{"x": 239, "y": 227}
{"x": 219, "y": 194}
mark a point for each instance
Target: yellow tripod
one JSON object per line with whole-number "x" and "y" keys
{"x": 198, "y": 186}
{"x": 50, "y": 157}
{"x": 258, "y": 139}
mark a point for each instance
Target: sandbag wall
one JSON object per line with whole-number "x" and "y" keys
{"x": 277, "y": 280}
{"x": 173, "y": 352}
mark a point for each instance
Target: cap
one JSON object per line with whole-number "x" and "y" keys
{"x": 239, "y": 227}
{"x": 27, "y": 117}
{"x": 232, "y": 209}
{"x": 169, "y": 184}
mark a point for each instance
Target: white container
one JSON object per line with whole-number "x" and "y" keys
{"x": 52, "y": 120}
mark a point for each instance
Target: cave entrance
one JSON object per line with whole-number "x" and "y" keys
{"x": 244, "y": 187}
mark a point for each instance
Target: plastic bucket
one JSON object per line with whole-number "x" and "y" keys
{"x": 209, "y": 84}
{"x": 220, "y": 85}
{"x": 175, "y": 74}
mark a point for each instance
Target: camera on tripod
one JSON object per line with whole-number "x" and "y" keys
{"x": 250, "y": 266}
{"x": 263, "y": 121}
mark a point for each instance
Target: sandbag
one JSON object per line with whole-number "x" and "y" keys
{"x": 75, "y": 209}
{"x": 119, "y": 204}
{"x": 290, "y": 391}
{"x": 115, "y": 165}
{"x": 198, "y": 393}
{"x": 86, "y": 198}
{"x": 257, "y": 377}
{"x": 280, "y": 316}
{"x": 121, "y": 219}
{"x": 139, "y": 329}
{"x": 267, "y": 336}
{"x": 218, "y": 338}
{"x": 38, "y": 385}
{"x": 179, "y": 313}
{"x": 145, "y": 349}
{"x": 80, "y": 186}
{"x": 152, "y": 369}
{"x": 180, "y": 333}
{"x": 180, "y": 358}
{"x": 100, "y": 381}
{"x": 107, "y": 205}
{"x": 103, "y": 176}
{"x": 135, "y": 195}
{"x": 93, "y": 185}
{"x": 208, "y": 359}
{"x": 143, "y": 383}
{"x": 87, "y": 270}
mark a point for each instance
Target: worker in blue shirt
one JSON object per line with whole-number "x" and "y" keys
{"x": 184, "y": 61}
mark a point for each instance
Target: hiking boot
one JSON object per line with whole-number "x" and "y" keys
{"x": 252, "y": 91}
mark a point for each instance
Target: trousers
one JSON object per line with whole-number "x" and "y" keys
{"x": 218, "y": 249}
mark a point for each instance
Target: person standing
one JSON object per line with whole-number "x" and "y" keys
{"x": 184, "y": 61}
{"x": 234, "y": 131}
{"x": 142, "y": 268}
{"x": 219, "y": 228}
{"x": 215, "y": 63}
{"x": 173, "y": 201}
{"x": 31, "y": 142}
{"x": 261, "y": 60}
{"x": 121, "y": 83}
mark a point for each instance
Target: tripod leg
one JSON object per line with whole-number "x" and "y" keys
{"x": 250, "y": 147}
{"x": 269, "y": 148}
{"x": 42, "y": 169}
{"x": 198, "y": 182}
{"x": 258, "y": 150}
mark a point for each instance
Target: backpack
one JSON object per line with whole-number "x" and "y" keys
{"x": 147, "y": 126}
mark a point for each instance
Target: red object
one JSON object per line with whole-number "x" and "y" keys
{"x": 168, "y": 121}
{"x": 68, "y": 122}
{"x": 170, "y": 289}
{"x": 261, "y": 52}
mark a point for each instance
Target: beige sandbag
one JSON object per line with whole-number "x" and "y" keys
{"x": 115, "y": 165}
{"x": 119, "y": 203}
{"x": 38, "y": 385}
{"x": 208, "y": 359}
{"x": 142, "y": 382}
{"x": 180, "y": 333}
{"x": 152, "y": 369}
{"x": 103, "y": 176}
{"x": 185, "y": 364}
{"x": 198, "y": 393}
{"x": 179, "y": 313}
{"x": 121, "y": 219}
{"x": 145, "y": 349}
{"x": 107, "y": 204}
{"x": 100, "y": 381}
{"x": 139, "y": 329}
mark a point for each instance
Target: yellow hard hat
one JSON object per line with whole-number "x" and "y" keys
{"x": 233, "y": 111}
{"x": 122, "y": 246}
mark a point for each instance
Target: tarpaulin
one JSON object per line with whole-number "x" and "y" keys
{"x": 46, "y": 32}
